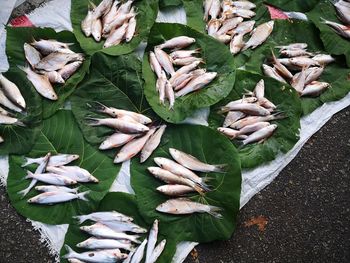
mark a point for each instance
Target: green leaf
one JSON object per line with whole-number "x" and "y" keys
{"x": 287, "y": 32}
{"x": 60, "y": 134}
{"x": 147, "y": 13}
{"x": 217, "y": 59}
{"x": 286, "y": 135}
{"x": 17, "y": 139}
{"x": 17, "y": 36}
{"x": 169, "y": 3}
{"x": 208, "y": 146}
{"x": 114, "y": 82}
{"x": 333, "y": 43}
{"x": 295, "y": 5}
{"x": 126, "y": 204}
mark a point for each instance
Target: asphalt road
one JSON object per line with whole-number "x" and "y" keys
{"x": 302, "y": 216}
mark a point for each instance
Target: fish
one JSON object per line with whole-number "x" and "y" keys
{"x": 124, "y": 226}
{"x": 68, "y": 70}
{"x": 295, "y": 52}
{"x": 288, "y": 64}
{"x": 86, "y": 23}
{"x": 152, "y": 143}
{"x": 128, "y": 259}
{"x": 106, "y": 256}
{"x": 223, "y": 38}
{"x": 340, "y": 29}
{"x": 184, "y": 53}
{"x": 244, "y": 28}
{"x": 254, "y": 119}
{"x": 293, "y": 46}
{"x": 39, "y": 170}
{"x": 236, "y": 44}
{"x": 229, "y": 24}
{"x": 155, "y": 66}
{"x": 102, "y": 8}
{"x": 130, "y": 31}
{"x": 55, "y": 160}
{"x": 170, "y": 95}
{"x": 116, "y": 140}
{"x": 271, "y": 72}
{"x": 184, "y": 206}
{"x": 184, "y": 70}
{"x": 207, "y": 5}
{"x": 232, "y": 117}
{"x": 1, "y": 139}
{"x": 119, "y": 113}
{"x": 54, "y": 77}
{"x": 138, "y": 255}
{"x": 46, "y": 47}
{"x": 175, "y": 189}
{"x": 4, "y": 112}
{"x": 228, "y": 132}
{"x": 343, "y": 11}
{"x": 57, "y": 60}
{"x": 54, "y": 188}
{"x": 125, "y": 7}
{"x": 259, "y": 90}
{"x": 152, "y": 240}
{"x": 160, "y": 86}
{"x": 120, "y": 20}
{"x": 191, "y": 75}
{"x": 157, "y": 251}
{"x": 8, "y": 120}
{"x": 51, "y": 178}
{"x": 133, "y": 147}
{"x": 104, "y": 216}
{"x": 116, "y": 37}
{"x": 12, "y": 92}
{"x": 312, "y": 74}
{"x": 111, "y": 14}
{"x": 177, "y": 42}
{"x": 253, "y": 128}
{"x": 186, "y": 61}
{"x": 181, "y": 81}
{"x": 180, "y": 170}
{"x": 243, "y": 4}
{"x": 32, "y": 55}
{"x": 240, "y": 12}
{"x": 243, "y": 100}
{"x": 7, "y": 103}
{"x": 247, "y": 108}
{"x": 76, "y": 173}
{"x": 164, "y": 60}
{"x": 323, "y": 59}
{"x": 281, "y": 68}
{"x": 97, "y": 243}
{"x": 57, "y": 197}
{"x": 213, "y": 26}
{"x": 267, "y": 104}
{"x": 193, "y": 163}
{"x": 74, "y": 260}
{"x": 298, "y": 83}
{"x": 120, "y": 124}
{"x": 102, "y": 231}
{"x": 260, "y": 135}
{"x": 314, "y": 89}
{"x": 171, "y": 178}
{"x": 197, "y": 83}
{"x": 215, "y": 9}
{"x": 259, "y": 35}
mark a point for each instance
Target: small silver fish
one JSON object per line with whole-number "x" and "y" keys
{"x": 243, "y": 4}
{"x": 12, "y": 92}
{"x": 55, "y": 160}
{"x": 186, "y": 61}
{"x": 160, "y": 86}
{"x": 104, "y": 216}
{"x": 259, "y": 36}
{"x": 232, "y": 117}
{"x": 54, "y": 188}
{"x": 271, "y": 72}
{"x": 315, "y": 88}
{"x": 340, "y": 29}
{"x": 184, "y": 53}
{"x": 8, "y": 120}
{"x": 343, "y": 11}
{"x": 138, "y": 255}
{"x": 97, "y": 243}
{"x": 184, "y": 70}
{"x": 248, "y": 108}
{"x": 323, "y": 59}
{"x": 124, "y": 226}
{"x": 57, "y": 197}
{"x": 213, "y": 26}
{"x": 73, "y": 172}
{"x": 183, "y": 206}
{"x": 68, "y": 70}
{"x": 152, "y": 240}
{"x": 229, "y": 24}
{"x": 125, "y": 7}
{"x": 260, "y": 135}
{"x": 51, "y": 178}
{"x": 7, "y": 103}
{"x": 102, "y": 8}
{"x": 120, "y": 124}
{"x": 197, "y": 83}
{"x": 175, "y": 189}
{"x": 32, "y": 55}
{"x": 157, "y": 251}
{"x": 58, "y": 60}
{"x": 46, "y": 47}
{"x": 117, "y": 22}
{"x": 207, "y": 5}
{"x": 295, "y": 52}
{"x": 169, "y": 94}
{"x": 293, "y": 46}
{"x": 116, "y": 37}
{"x": 164, "y": 60}
{"x": 116, "y": 140}
{"x": 241, "y": 12}
{"x": 112, "y": 13}
{"x": 152, "y": 143}
{"x": 244, "y": 28}
{"x": 298, "y": 83}
{"x": 253, "y": 127}
{"x": 281, "y": 68}
{"x": 177, "y": 42}
{"x": 254, "y": 119}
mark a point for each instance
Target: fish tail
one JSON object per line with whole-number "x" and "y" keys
{"x": 135, "y": 239}
{"x": 81, "y": 219}
{"x": 197, "y": 50}
{"x": 23, "y": 68}
{"x": 92, "y": 4}
{"x": 29, "y": 175}
{"x": 279, "y": 115}
{"x": 20, "y": 123}
{"x": 28, "y": 162}
{"x": 92, "y": 121}
{"x": 223, "y": 110}
{"x": 82, "y": 196}
{"x": 70, "y": 252}
{"x": 76, "y": 189}
{"x": 98, "y": 106}
{"x": 213, "y": 210}
{"x": 24, "y": 192}
{"x": 204, "y": 186}
{"x": 220, "y": 168}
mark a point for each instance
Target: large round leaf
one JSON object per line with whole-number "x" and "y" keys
{"x": 333, "y": 43}
{"x": 295, "y": 5}
{"x": 287, "y": 32}
{"x": 210, "y": 147}
{"x": 18, "y": 139}
{"x": 114, "y": 82}
{"x": 217, "y": 59}
{"x": 17, "y": 36}
{"x": 286, "y": 135}
{"x": 147, "y": 13}
{"x": 60, "y": 134}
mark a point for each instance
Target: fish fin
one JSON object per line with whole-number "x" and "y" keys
{"x": 248, "y": 93}
{"x": 23, "y": 68}
{"x": 220, "y": 168}
{"x": 92, "y": 121}
{"x": 29, "y": 175}
{"x": 82, "y": 196}
{"x": 204, "y": 186}
{"x": 24, "y": 192}
{"x": 81, "y": 219}
{"x": 135, "y": 239}
{"x": 214, "y": 212}
{"x": 20, "y": 123}
{"x": 70, "y": 252}
{"x": 28, "y": 162}
{"x": 223, "y": 110}
{"x": 92, "y": 4}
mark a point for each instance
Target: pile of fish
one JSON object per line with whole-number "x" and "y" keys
{"x": 112, "y": 20}
{"x": 54, "y": 171}
{"x": 50, "y": 62}
{"x": 188, "y": 78}
{"x": 248, "y": 118}
{"x": 343, "y": 11}
{"x": 132, "y": 132}
{"x": 13, "y": 101}
{"x": 225, "y": 22}
{"x": 181, "y": 180}
{"x": 300, "y": 68}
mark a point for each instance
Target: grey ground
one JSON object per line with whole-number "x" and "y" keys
{"x": 306, "y": 209}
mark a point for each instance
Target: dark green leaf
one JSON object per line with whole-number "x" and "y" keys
{"x": 17, "y": 36}
{"x": 286, "y": 135}
{"x": 147, "y": 13}
{"x": 333, "y": 43}
{"x": 169, "y": 3}
{"x": 217, "y": 59}
{"x": 60, "y": 134}
{"x": 294, "y": 5}
{"x": 208, "y": 146}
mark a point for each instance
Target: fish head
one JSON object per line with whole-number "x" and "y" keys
{"x": 273, "y": 126}
{"x": 85, "y": 228}
{"x": 159, "y": 161}
{"x": 93, "y": 179}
